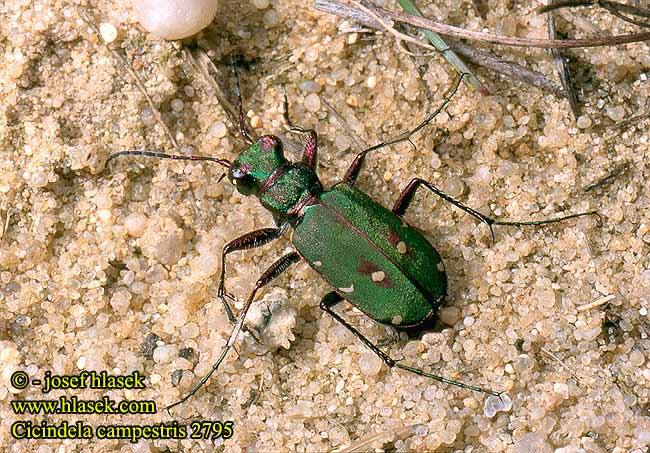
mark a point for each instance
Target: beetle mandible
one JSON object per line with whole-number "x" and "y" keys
{"x": 387, "y": 270}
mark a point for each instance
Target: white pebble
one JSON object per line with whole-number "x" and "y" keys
{"x": 370, "y": 364}
{"x": 135, "y": 224}
{"x": 271, "y": 18}
{"x": 164, "y": 354}
{"x": 583, "y": 122}
{"x": 174, "y": 19}
{"x": 261, "y": 4}
{"x": 108, "y": 32}
{"x": 177, "y": 105}
{"x": 309, "y": 86}
{"x": 218, "y": 130}
{"x": 494, "y": 404}
{"x": 616, "y": 113}
{"x": 312, "y": 102}
{"x": 39, "y": 179}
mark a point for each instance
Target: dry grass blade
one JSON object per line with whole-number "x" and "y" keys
{"x": 202, "y": 63}
{"x": 505, "y": 68}
{"x": 563, "y": 69}
{"x": 481, "y": 8}
{"x": 615, "y": 8}
{"x": 618, "y": 170}
{"x": 622, "y": 7}
{"x": 478, "y": 57}
{"x": 364, "y": 443}
{"x": 564, "y": 365}
{"x": 138, "y": 80}
{"x": 450, "y": 30}
{"x": 443, "y": 47}
{"x": 4, "y": 225}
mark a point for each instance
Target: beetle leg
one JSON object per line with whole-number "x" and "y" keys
{"x": 248, "y": 241}
{"x": 331, "y": 299}
{"x": 405, "y": 198}
{"x": 309, "y": 152}
{"x": 271, "y": 273}
{"x": 352, "y": 173}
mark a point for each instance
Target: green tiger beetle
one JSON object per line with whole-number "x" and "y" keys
{"x": 368, "y": 254}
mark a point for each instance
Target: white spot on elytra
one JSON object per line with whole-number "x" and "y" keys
{"x": 397, "y": 320}
{"x": 347, "y": 290}
{"x": 401, "y": 247}
{"x": 441, "y": 267}
{"x": 318, "y": 263}
{"x": 378, "y": 276}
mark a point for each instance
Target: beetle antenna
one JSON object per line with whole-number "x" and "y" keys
{"x": 223, "y": 162}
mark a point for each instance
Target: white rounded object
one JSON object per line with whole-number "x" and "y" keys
{"x": 174, "y": 19}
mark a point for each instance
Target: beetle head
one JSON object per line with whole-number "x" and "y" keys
{"x": 254, "y": 165}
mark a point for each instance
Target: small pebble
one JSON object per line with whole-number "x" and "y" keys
{"x": 148, "y": 345}
{"x": 147, "y": 117}
{"x": 583, "y": 122}
{"x": 309, "y": 86}
{"x": 177, "y": 105}
{"x": 494, "y": 404}
{"x": 636, "y": 358}
{"x": 261, "y": 4}
{"x": 165, "y": 354}
{"x": 312, "y": 102}
{"x": 449, "y": 315}
{"x": 271, "y": 18}
{"x": 135, "y": 224}
{"x": 616, "y": 113}
{"x": 370, "y": 364}
{"x": 108, "y": 32}
{"x": 218, "y": 130}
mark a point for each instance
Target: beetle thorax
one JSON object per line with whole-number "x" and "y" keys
{"x": 283, "y": 187}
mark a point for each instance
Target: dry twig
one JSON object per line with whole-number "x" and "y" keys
{"x": 334, "y": 6}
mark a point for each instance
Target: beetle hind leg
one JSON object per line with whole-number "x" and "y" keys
{"x": 332, "y": 298}
{"x": 406, "y": 197}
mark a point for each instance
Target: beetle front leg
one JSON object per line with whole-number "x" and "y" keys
{"x": 248, "y": 241}
{"x": 405, "y": 198}
{"x": 331, "y": 299}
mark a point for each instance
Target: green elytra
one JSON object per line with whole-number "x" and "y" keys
{"x": 368, "y": 254}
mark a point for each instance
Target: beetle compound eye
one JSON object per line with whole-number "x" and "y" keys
{"x": 245, "y": 184}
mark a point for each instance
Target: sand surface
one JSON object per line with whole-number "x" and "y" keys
{"x": 116, "y": 268}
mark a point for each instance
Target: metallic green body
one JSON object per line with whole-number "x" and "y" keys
{"x": 371, "y": 257}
